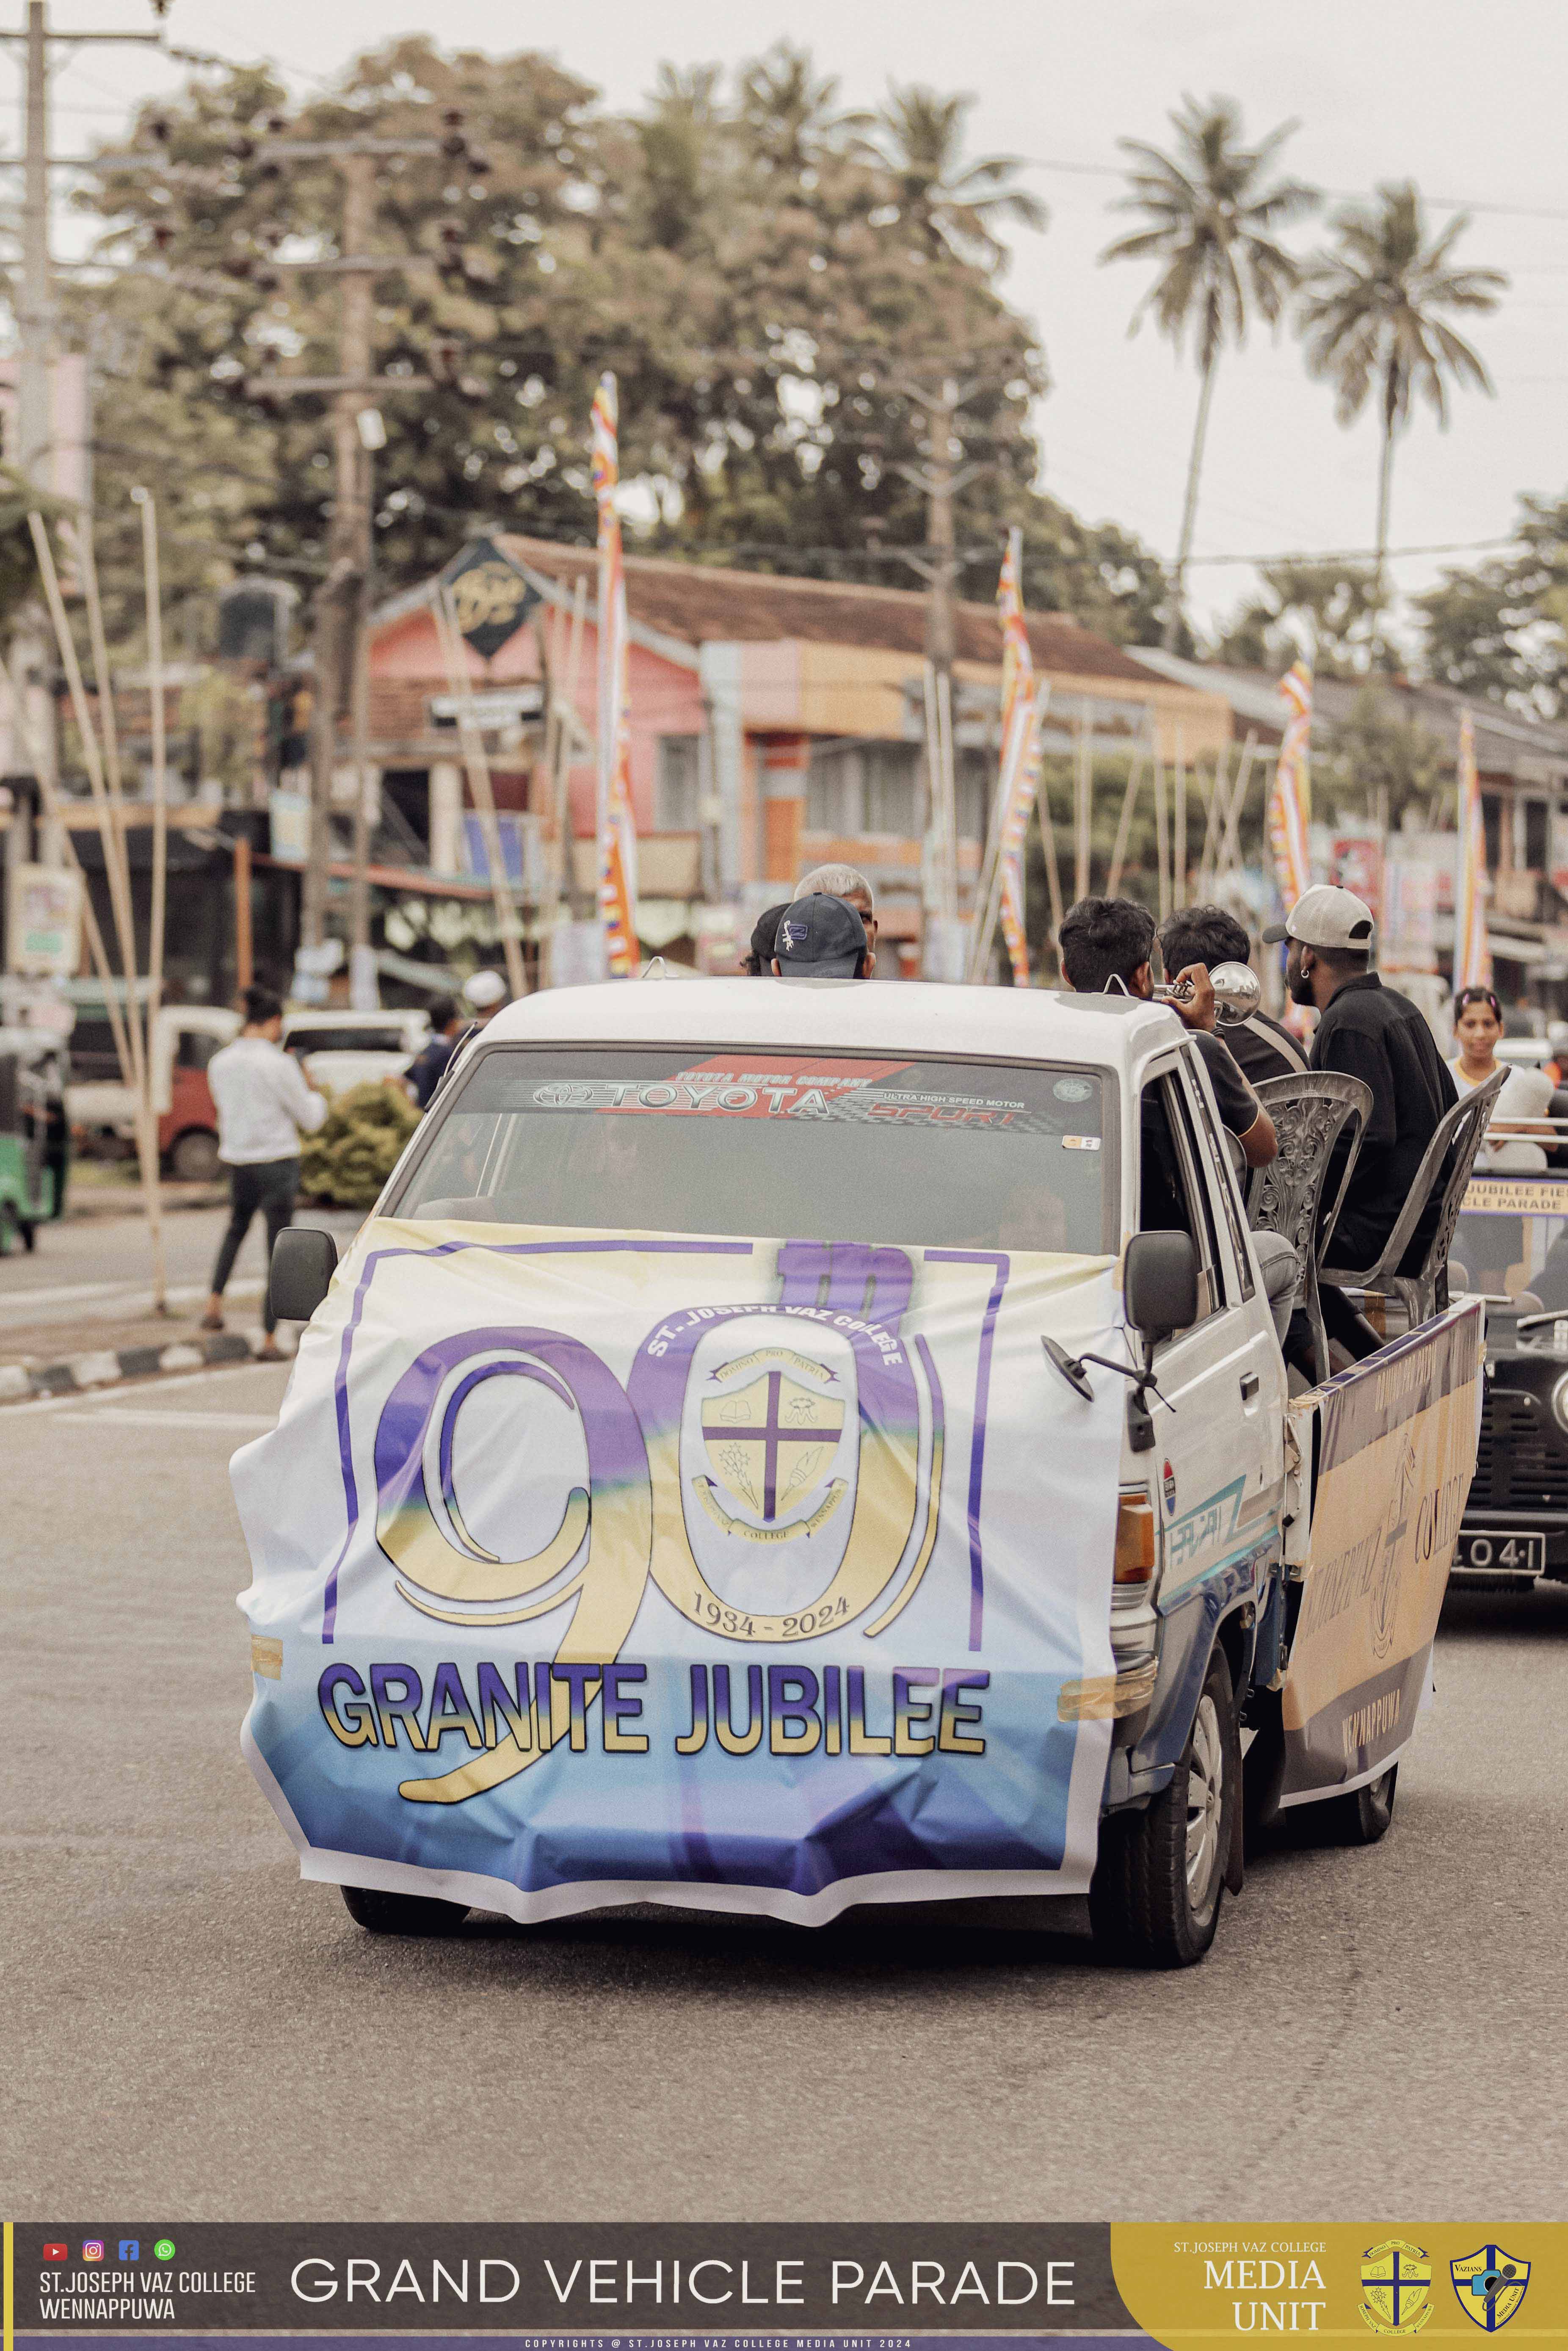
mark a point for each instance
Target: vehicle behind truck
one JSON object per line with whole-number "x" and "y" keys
{"x": 783, "y": 1447}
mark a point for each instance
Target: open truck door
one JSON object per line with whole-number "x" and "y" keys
{"x": 1383, "y": 1456}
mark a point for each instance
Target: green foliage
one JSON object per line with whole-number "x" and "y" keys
{"x": 766, "y": 278}
{"x": 1378, "y": 760}
{"x": 1326, "y": 613}
{"x": 1501, "y": 631}
{"x": 353, "y": 1153}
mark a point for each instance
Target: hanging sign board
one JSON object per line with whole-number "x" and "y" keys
{"x": 43, "y": 928}
{"x": 492, "y": 598}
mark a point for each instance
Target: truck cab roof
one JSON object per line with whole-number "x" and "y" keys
{"x": 913, "y": 1016}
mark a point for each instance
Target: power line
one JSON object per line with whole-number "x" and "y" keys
{"x": 1336, "y": 195}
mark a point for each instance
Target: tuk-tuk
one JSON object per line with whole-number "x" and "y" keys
{"x": 34, "y": 1135}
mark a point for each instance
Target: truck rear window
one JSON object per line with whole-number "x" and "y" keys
{"x": 788, "y": 1145}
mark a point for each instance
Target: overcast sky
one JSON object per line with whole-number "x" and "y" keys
{"x": 1467, "y": 101}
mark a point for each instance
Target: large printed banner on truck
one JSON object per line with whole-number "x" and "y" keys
{"x": 770, "y": 1576}
{"x": 1396, "y": 1446}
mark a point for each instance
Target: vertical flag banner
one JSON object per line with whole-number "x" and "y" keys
{"x": 1472, "y": 956}
{"x": 1290, "y": 799}
{"x": 617, "y": 832}
{"x": 1021, "y": 753}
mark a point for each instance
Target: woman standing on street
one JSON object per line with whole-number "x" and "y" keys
{"x": 264, "y": 1106}
{"x": 1511, "y": 1147}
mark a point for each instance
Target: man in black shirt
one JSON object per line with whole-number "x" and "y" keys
{"x": 1208, "y": 935}
{"x": 1369, "y": 1032}
{"x": 1107, "y": 941}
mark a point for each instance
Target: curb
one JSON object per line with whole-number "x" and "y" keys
{"x": 79, "y": 1374}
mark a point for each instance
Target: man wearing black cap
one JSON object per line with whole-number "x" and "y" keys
{"x": 1369, "y": 1032}
{"x": 821, "y": 938}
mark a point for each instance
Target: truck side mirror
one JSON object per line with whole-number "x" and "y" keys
{"x": 1159, "y": 1286}
{"x": 303, "y": 1263}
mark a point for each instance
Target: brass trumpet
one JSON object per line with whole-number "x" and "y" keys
{"x": 1237, "y": 991}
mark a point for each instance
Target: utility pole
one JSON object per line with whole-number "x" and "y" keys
{"x": 341, "y": 612}
{"x": 941, "y": 479}
{"x": 37, "y": 330}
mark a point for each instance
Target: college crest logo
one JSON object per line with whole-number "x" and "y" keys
{"x": 1396, "y": 2287}
{"x": 771, "y": 1425}
{"x": 1490, "y": 2284}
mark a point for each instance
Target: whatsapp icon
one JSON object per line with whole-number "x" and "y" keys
{"x": 164, "y": 2250}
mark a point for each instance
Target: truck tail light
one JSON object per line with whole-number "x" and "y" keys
{"x": 1135, "y": 1538}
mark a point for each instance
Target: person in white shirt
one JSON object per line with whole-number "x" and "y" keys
{"x": 1518, "y": 1116}
{"x": 264, "y": 1105}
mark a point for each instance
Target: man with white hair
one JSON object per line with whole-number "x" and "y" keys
{"x": 843, "y": 881}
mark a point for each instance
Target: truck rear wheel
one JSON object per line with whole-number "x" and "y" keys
{"x": 1363, "y": 1816}
{"x": 1159, "y": 1881}
{"x": 402, "y": 1914}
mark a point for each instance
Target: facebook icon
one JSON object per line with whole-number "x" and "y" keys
{"x": 131, "y": 2249}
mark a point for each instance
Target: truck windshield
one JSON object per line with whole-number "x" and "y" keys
{"x": 957, "y": 1154}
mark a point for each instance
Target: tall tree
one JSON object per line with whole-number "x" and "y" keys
{"x": 1502, "y": 630}
{"x": 919, "y": 134}
{"x": 1373, "y": 317}
{"x": 1212, "y": 214}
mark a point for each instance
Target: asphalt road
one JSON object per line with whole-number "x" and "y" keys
{"x": 1375, "y": 2034}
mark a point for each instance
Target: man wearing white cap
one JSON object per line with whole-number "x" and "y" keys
{"x": 1367, "y": 1030}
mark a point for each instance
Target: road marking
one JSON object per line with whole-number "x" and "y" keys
{"x": 127, "y": 1419}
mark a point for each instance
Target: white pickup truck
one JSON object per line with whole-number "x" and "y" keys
{"x": 783, "y": 1446}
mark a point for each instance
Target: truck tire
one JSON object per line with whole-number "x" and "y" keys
{"x": 402, "y": 1914}
{"x": 195, "y": 1156}
{"x": 1363, "y": 1816}
{"x": 1159, "y": 1883}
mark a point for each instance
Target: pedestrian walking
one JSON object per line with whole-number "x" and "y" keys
{"x": 264, "y": 1105}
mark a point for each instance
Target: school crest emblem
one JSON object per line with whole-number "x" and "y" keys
{"x": 1490, "y": 2284}
{"x": 771, "y": 1426}
{"x": 1396, "y": 2287}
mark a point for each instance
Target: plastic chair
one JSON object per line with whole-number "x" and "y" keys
{"x": 1447, "y": 1162}
{"x": 1312, "y": 1113}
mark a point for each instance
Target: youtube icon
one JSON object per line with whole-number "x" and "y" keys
{"x": 57, "y": 2253}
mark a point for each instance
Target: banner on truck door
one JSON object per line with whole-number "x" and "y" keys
{"x": 1395, "y": 1452}
{"x": 594, "y": 1568}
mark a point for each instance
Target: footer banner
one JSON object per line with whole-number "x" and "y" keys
{"x": 833, "y": 2286}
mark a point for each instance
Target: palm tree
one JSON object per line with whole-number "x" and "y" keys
{"x": 1211, "y": 214}
{"x": 1371, "y": 317}
{"x": 918, "y": 135}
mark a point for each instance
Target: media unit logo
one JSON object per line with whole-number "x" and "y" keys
{"x": 1490, "y": 2284}
{"x": 1396, "y": 2287}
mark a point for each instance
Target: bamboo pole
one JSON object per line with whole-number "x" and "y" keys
{"x": 478, "y": 766}
{"x": 1162, "y": 837}
{"x": 1080, "y": 789}
{"x": 567, "y": 735}
{"x": 1179, "y": 829}
{"x": 1125, "y": 822}
{"x": 152, "y": 597}
{"x": 108, "y": 807}
{"x": 988, "y": 907}
{"x": 1214, "y": 822}
{"x": 96, "y": 948}
{"x": 1230, "y": 848}
{"x": 947, "y": 799}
